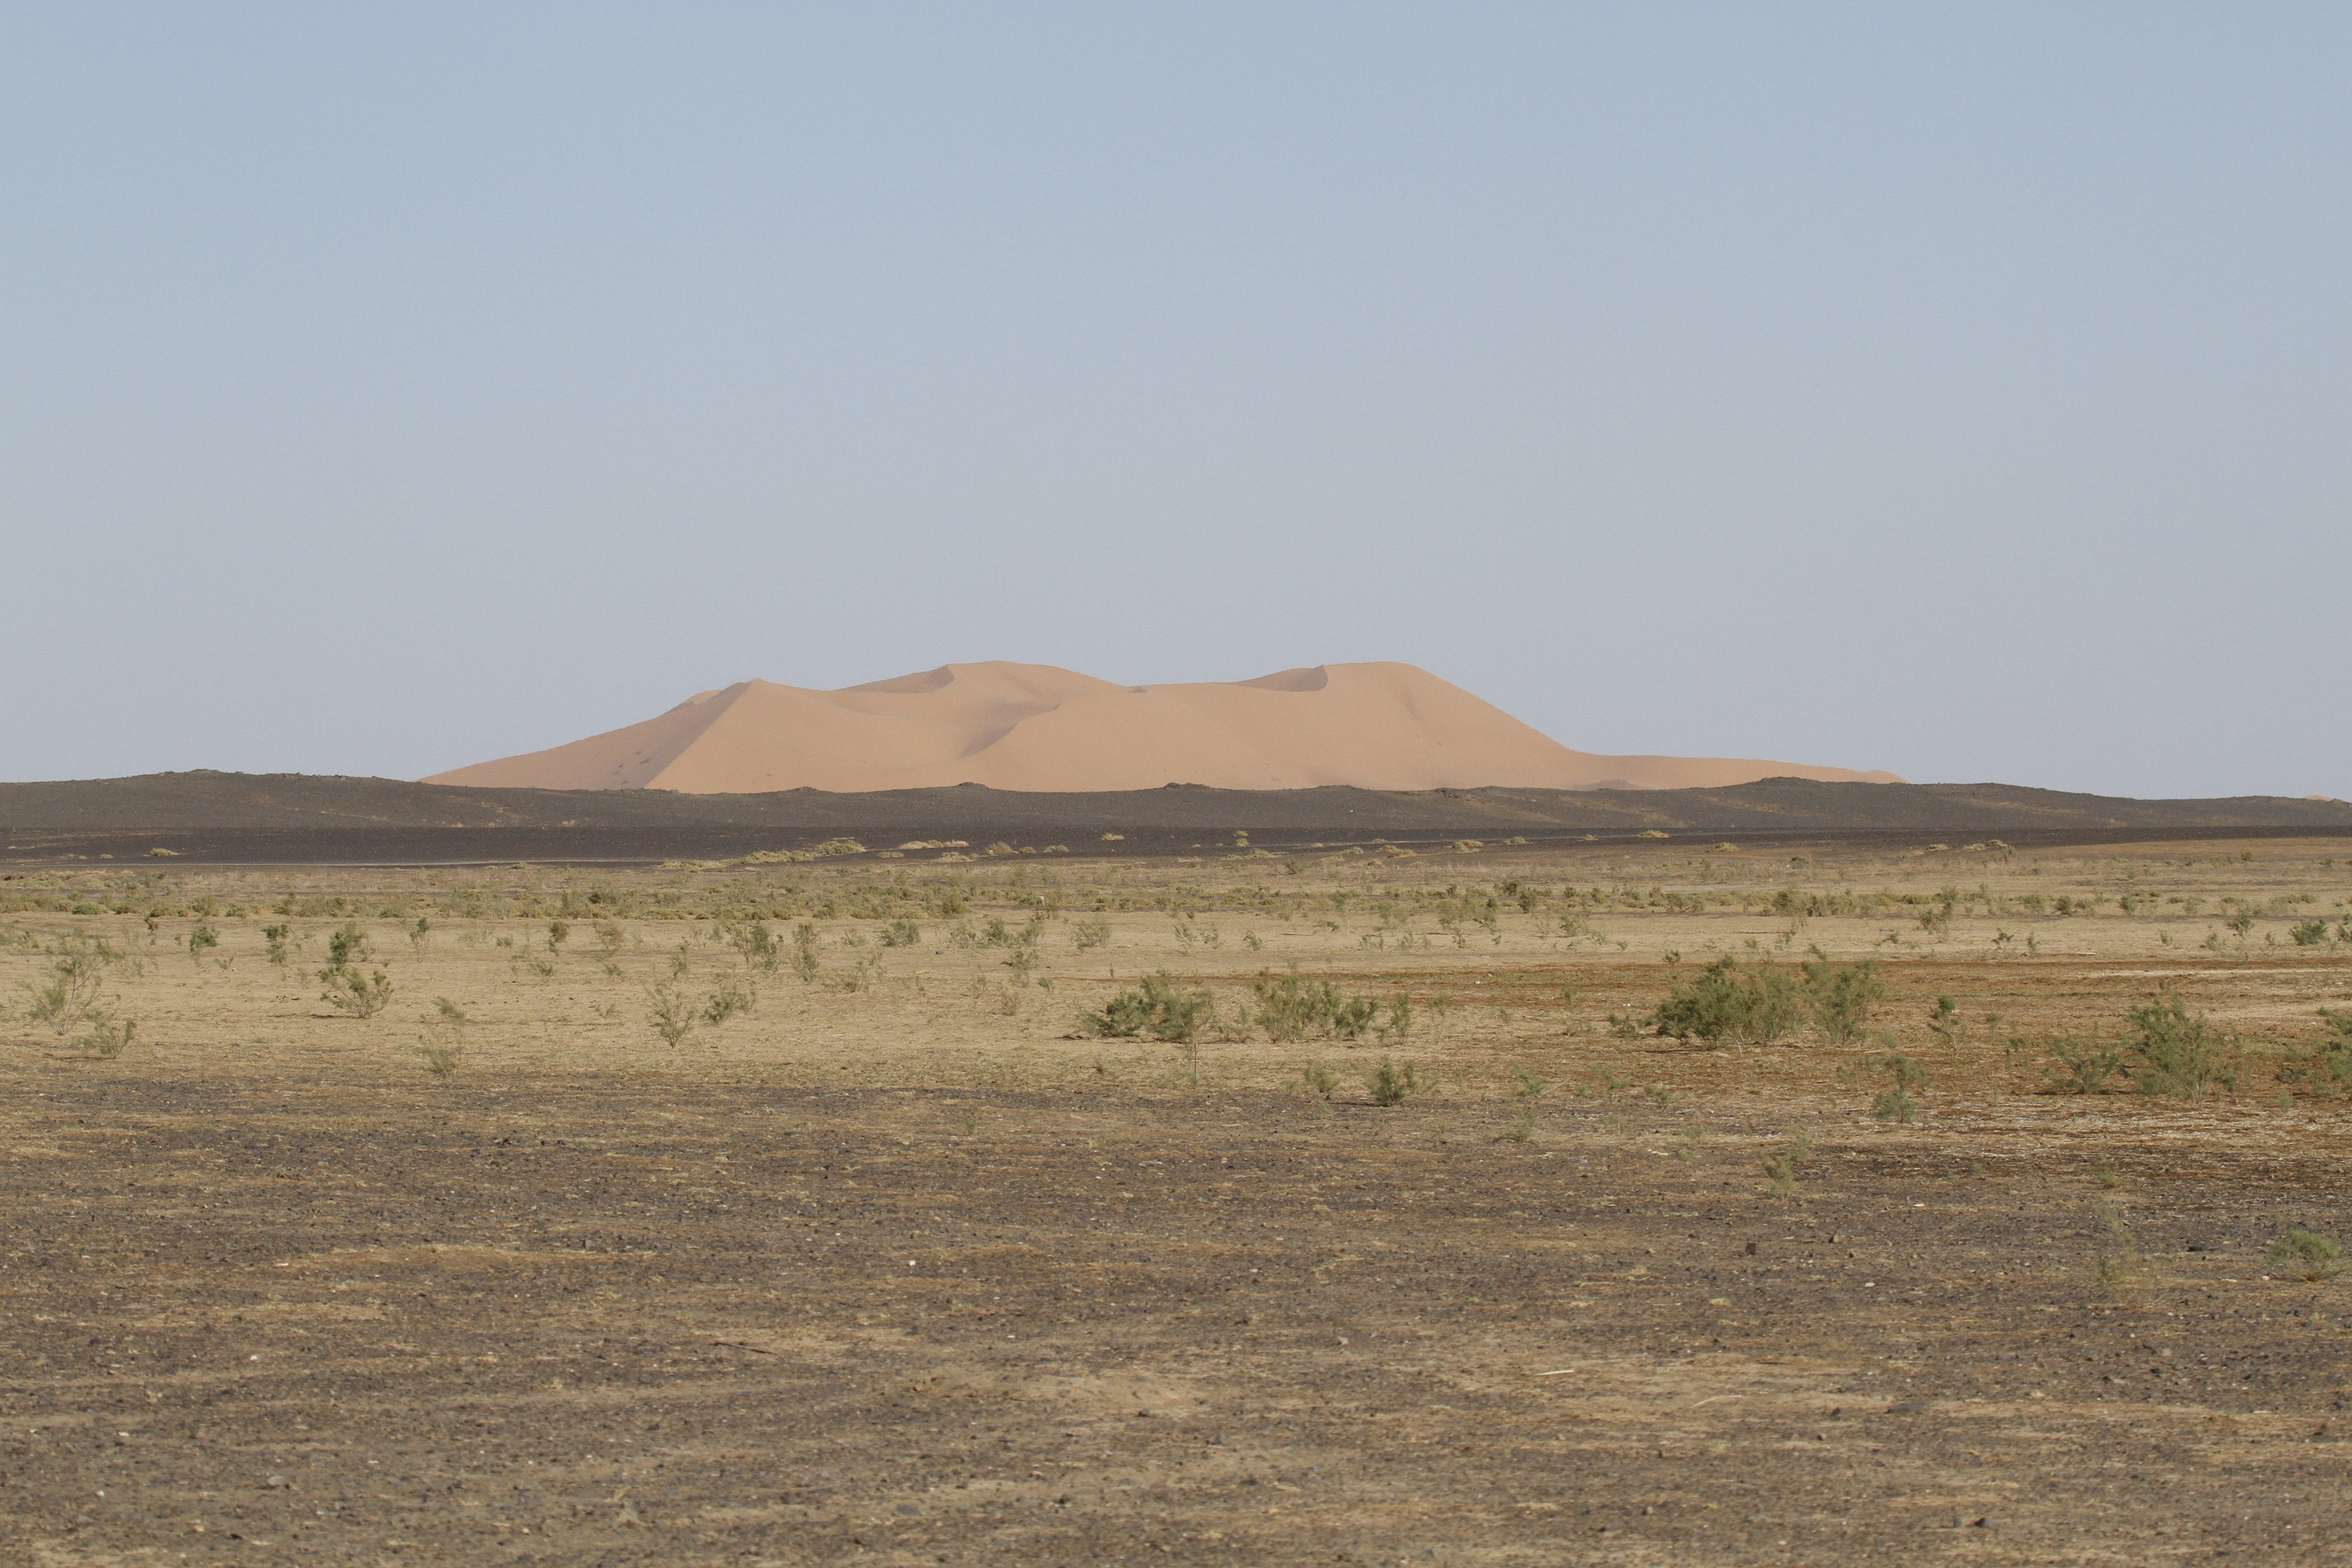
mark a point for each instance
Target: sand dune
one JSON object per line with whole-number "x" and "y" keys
{"x": 1033, "y": 727}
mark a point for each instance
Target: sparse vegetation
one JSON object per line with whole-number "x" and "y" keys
{"x": 754, "y": 944}
{"x": 1158, "y": 1008}
{"x": 732, "y": 997}
{"x": 1841, "y": 995}
{"x": 67, "y": 998}
{"x": 2177, "y": 1053}
{"x": 670, "y": 1011}
{"x": 350, "y": 991}
{"x": 2325, "y": 1069}
{"x": 1780, "y": 1164}
{"x": 1727, "y": 1003}
{"x": 2307, "y": 1255}
{"x": 443, "y": 1046}
{"x": 1391, "y": 1082}
{"x": 1896, "y": 1102}
{"x": 1289, "y": 1008}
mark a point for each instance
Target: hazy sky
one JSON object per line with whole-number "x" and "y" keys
{"x": 1964, "y": 390}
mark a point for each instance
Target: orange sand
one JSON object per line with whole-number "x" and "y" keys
{"x": 1035, "y": 727}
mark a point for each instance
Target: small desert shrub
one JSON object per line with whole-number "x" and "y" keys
{"x": 2177, "y": 1052}
{"x": 1780, "y": 1164}
{"x": 2309, "y": 933}
{"x": 1896, "y": 1104}
{"x": 609, "y": 936}
{"x": 350, "y": 993}
{"x": 273, "y": 943}
{"x": 670, "y": 1011}
{"x": 2120, "y": 1263}
{"x": 2326, "y": 1068}
{"x": 201, "y": 938}
{"x": 420, "y": 935}
{"x": 1095, "y": 932}
{"x": 1725, "y": 1003}
{"x": 348, "y": 946}
{"x": 730, "y": 998}
{"x": 1319, "y": 1078}
{"x": 902, "y": 932}
{"x": 1526, "y": 1085}
{"x": 109, "y": 1036}
{"x": 754, "y": 944}
{"x": 1521, "y": 1131}
{"x": 2083, "y": 1068}
{"x": 1841, "y": 995}
{"x": 1391, "y": 1082}
{"x": 443, "y": 1046}
{"x": 996, "y": 933}
{"x": 1290, "y": 1008}
{"x": 2307, "y": 1255}
{"x": 1157, "y": 1009}
{"x": 69, "y": 995}
{"x": 805, "y": 944}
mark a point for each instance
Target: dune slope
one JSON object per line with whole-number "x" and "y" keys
{"x": 1035, "y": 727}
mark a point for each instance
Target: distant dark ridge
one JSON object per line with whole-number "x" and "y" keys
{"x": 294, "y": 817}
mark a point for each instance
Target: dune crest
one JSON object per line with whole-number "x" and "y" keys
{"x": 1036, "y": 727}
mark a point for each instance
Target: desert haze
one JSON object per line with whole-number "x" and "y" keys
{"x": 1036, "y": 727}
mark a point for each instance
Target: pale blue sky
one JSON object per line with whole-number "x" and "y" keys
{"x": 1959, "y": 390}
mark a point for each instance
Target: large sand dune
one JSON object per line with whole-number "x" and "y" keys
{"x": 1035, "y": 727}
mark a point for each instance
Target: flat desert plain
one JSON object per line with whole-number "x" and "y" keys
{"x": 874, "y": 1254}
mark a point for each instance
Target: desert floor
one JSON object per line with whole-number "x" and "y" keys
{"x": 897, "y": 1264}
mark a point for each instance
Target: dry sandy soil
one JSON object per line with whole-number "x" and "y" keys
{"x": 899, "y": 1267}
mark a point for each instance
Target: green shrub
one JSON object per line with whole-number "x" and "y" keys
{"x": 201, "y": 937}
{"x": 672, "y": 1012}
{"x": 2307, "y": 1255}
{"x": 1391, "y": 1082}
{"x": 2325, "y": 1068}
{"x": 1290, "y": 1008}
{"x": 1841, "y": 995}
{"x": 273, "y": 942}
{"x": 754, "y": 944}
{"x": 805, "y": 944}
{"x": 69, "y": 997}
{"x": 2089, "y": 1068}
{"x": 730, "y": 998}
{"x": 902, "y": 932}
{"x": 1726, "y": 1004}
{"x": 1158, "y": 1009}
{"x": 347, "y": 947}
{"x": 2177, "y": 1052}
{"x": 348, "y": 992}
{"x": 109, "y": 1036}
{"x": 2309, "y": 933}
{"x": 1896, "y": 1104}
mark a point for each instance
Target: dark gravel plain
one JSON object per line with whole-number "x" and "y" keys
{"x": 282, "y": 1319}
